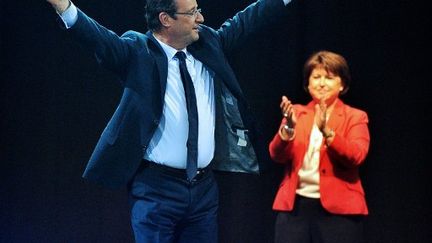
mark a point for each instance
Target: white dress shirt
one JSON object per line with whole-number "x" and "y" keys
{"x": 168, "y": 145}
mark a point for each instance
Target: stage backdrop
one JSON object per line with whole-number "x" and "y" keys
{"x": 55, "y": 102}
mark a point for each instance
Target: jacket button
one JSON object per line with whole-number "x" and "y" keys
{"x": 323, "y": 171}
{"x": 156, "y": 121}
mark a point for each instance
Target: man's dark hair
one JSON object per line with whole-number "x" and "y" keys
{"x": 154, "y": 7}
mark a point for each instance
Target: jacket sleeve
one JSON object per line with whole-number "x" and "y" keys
{"x": 110, "y": 50}
{"x": 350, "y": 149}
{"x": 236, "y": 30}
{"x": 280, "y": 150}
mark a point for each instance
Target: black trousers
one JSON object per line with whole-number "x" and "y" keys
{"x": 310, "y": 223}
{"x": 167, "y": 208}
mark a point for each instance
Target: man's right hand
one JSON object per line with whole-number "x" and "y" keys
{"x": 59, "y": 5}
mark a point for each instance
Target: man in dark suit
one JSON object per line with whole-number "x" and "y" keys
{"x": 146, "y": 145}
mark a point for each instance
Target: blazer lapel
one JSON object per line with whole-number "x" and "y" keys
{"x": 214, "y": 60}
{"x": 336, "y": 116}
{"x": 161, "y": 61}
{"x": 309, "y": 112}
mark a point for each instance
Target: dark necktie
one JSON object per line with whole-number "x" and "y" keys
{"x": 191, "y": 103}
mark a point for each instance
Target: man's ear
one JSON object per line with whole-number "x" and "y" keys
{"x": 165, "y": 19}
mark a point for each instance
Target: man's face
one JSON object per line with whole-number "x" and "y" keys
{"x": 184, "y": 29}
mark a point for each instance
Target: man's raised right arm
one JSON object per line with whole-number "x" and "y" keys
{"x": 111, "y": 51}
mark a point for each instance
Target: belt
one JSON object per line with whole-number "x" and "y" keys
{"x": 179, "y": 173}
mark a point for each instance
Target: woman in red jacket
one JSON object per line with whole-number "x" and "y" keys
{"x": 322, "y": 144}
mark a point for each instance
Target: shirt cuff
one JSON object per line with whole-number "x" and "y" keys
{"x": 70, "y": 16}
{"x": 286, "y": 2}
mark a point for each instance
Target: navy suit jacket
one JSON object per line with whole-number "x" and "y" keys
{"x": 142, "y": 66}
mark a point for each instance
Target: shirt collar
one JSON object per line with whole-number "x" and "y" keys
{"x": 171, "y": 51}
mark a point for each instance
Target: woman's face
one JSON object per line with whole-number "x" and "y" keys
{"x": 324, "y": 85}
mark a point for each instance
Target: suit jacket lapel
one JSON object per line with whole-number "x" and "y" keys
{"x": 209, "y": 57}
{"x": 161, "y": 61}
{"x": 217, "y": 63}
{"x": 309, "y": 122}
{"x": 337, "y": 115}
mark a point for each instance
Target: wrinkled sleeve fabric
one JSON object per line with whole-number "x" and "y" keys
{"x": 235, "y": 31}
{"x": 351, "y": 149}
{"x": 280, "y": 149}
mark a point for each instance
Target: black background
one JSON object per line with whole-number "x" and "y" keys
{"x": 55, "y": 102}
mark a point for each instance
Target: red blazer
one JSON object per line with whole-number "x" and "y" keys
{"x": 340, "y": 186}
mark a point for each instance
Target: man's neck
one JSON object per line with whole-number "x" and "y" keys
{"x": 163, "y": 38}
